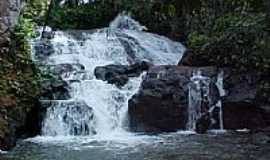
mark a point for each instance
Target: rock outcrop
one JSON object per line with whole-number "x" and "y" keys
{"x": 9, "y": 12}
{"x": 161, "y": 105}
{"x": 241, "y": 109}
{"x": 54, "y": 90}
{"x": 119, "y": 74}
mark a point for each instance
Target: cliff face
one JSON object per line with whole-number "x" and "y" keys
{"x": 9, "y": 12}
{"x": 17, "y": 92}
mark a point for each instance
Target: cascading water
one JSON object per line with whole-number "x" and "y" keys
{"x": 201, "y": 101}
{"x": 222, "y": 93}
{"x": 97, "y": 107}
{"x": 198, "y": 96}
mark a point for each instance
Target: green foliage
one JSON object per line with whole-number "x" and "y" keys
{"x": 36, "y": 10}
{"x": 233, "y": 35}
{"x": 81, "y": 17}
{"x": 196, "y": 39}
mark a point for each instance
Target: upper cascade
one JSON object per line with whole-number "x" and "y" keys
{"x": 124, "y": 21}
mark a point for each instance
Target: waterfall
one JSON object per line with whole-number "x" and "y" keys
{"x": 96, "y": 107}
{"x": 198, "y": 97}
{"x": 201, "y": 101}
{"x": 222, "y": 93}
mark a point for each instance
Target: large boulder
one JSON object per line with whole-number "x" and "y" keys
{"x": 161, "y": 105}
{"x": 240, "y": 106}
{"x": 120, "y": 74}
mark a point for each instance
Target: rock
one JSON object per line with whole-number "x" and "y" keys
{"x": 240, "y": 108}
{"x": 16, "y": 122}
{"x": 241, "y": 115}
{"x": 43, "y": 50}
{"x": 203, "y": 123}
{"x": 54, "y": 90}
{"x": 193, "y": 60}
{"x": 9, "y": 12}
{"x": 65, "y": 68}
{"x": 240, "y": 87}
{"x": 260, "y": 138}
{"x": 120, "y": 74}
{"x": 161, "y": 105}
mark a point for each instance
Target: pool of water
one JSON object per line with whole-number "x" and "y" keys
{"x": 176, "y": 146}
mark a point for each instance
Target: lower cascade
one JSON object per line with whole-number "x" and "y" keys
{"x": 94, "y": 106}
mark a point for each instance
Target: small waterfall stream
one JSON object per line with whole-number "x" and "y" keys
{"x": 96, "y": 107}
{"x": 201, "y": 101}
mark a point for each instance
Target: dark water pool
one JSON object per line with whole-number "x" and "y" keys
{"x": 226, "y": 146}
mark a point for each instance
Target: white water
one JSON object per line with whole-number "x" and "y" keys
{"x": 96, "y": 107}
{"x": 222, "y": 93}
{"x": 200, "y": 99}
{"x": 198, "y": 94}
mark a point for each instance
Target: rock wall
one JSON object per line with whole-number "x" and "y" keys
{"x": 9, "y": 12}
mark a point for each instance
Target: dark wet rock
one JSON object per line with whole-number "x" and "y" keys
{"x": 203, "y": 123}
{"x": 191, "y": 59}
{"x": 54, "y": 90}
{"x": 266, "y": 113}
{"x": 162, "y": 102}
{"x": 120, "y": 74}
{"x": 186, "y": 59}
{"x": 240, "y": 108}
{"x": 17, "y": 122}
{"x": 61, "y": 69}
{"x": 43, "y": 50}
{"x": 260, "y": 138}
{"x": 240, "y": 87}
{"x": 240, "y": 115}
